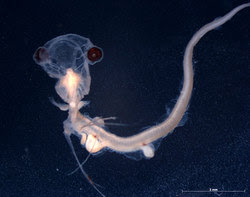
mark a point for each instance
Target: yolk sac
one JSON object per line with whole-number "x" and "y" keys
{"x": 94, "y": 54}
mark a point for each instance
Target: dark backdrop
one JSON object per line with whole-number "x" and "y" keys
{"x": 139, "y": 78}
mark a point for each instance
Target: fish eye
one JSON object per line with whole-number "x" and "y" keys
{"x": 95, "y": 54}
{"x": 41, "y": 55}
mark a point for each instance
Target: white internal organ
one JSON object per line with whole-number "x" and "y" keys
{"x": 71, "y": 82}
{"x": 92, "y": 144}
{"x": 148, "y": 151}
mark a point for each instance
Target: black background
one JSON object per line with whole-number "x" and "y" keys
{"x": 139, "y": 78}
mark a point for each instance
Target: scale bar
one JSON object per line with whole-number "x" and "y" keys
{"x": 209, "y": 191}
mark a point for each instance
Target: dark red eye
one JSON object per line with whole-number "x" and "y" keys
{"x": 41, "y": 55}
{"x": 94, "y": 54}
